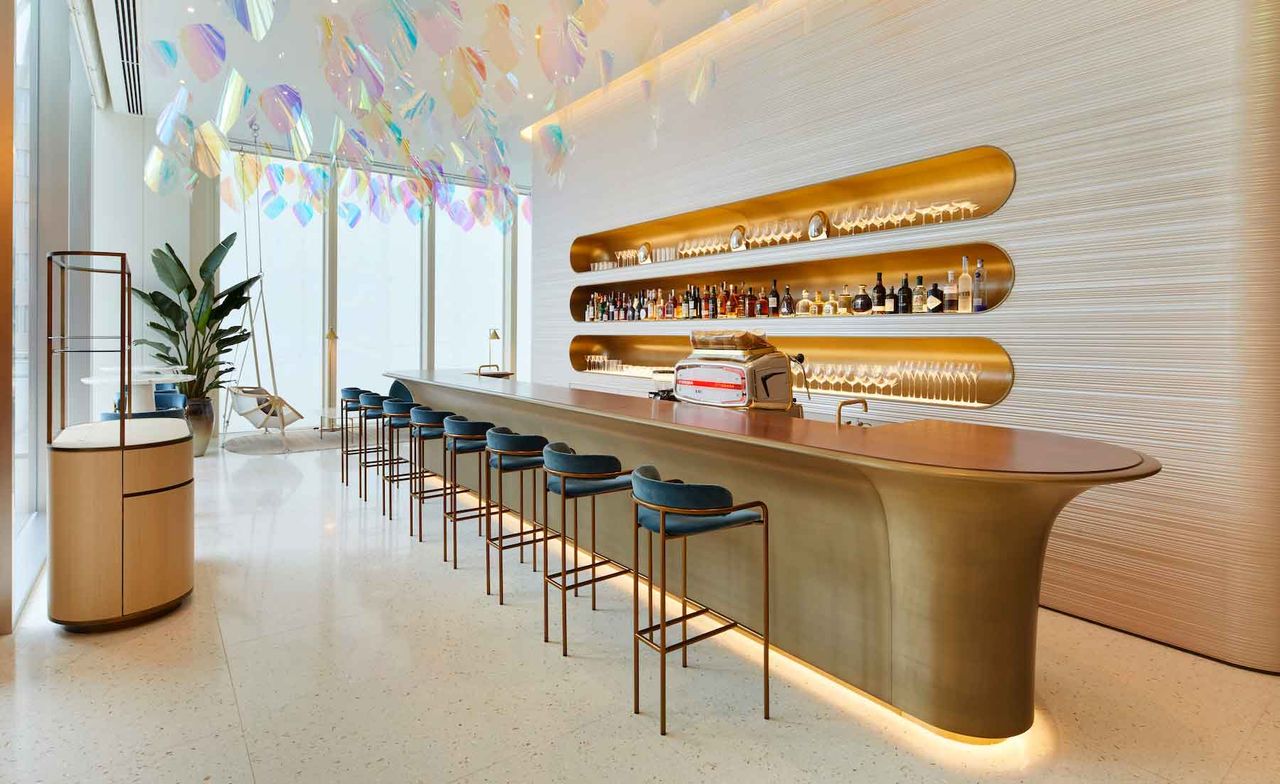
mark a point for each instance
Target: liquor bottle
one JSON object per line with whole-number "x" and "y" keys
{"x": 805, "y": 306}
{"x": 831, "y": 306}
{"x": 724, "y": 300}
{"x": 979, "y": 288}
{"x": 642, "y": 308}
{"x": 964, "y": 288}
{"x": 904, "y": 295}
{"x": 877, "y": 294}
{"x": 816, "y": 308}
{"x": 788, "y": 304}
{"x": 749, "y": 303}
{"x": 589, "y": 314}
{"x": 937, "y": 299}
{"x": 951, "y": 297}
{"x": 774, "y": 300}
{"x": 862, "y": 302}
{"x": 671, "y": 305}
{"x": 762, "y": 304}
{"x": 845, "y": 302}
{"x": 919, "y": 297}
{"x": 713, "y": 308}
{"x": 890, "y": 301}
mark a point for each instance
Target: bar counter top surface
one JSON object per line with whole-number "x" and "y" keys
{"x": 938, "y": 444}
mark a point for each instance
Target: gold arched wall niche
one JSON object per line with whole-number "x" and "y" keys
{"x": 957, "y": 372}
{"x": 983, "y": 176}
{"x": 829, "y": 274}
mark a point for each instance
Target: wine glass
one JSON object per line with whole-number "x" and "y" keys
{"x": 892, "y": 376}
{"x": 974, "y": 372}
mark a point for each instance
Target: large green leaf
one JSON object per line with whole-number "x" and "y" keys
{"x": 214, "y": 260}
{"x": 234, "y": 340}
{"x": 200, "y": 310}
{"x": 228, "y": 306}
{"x": 238, "y": 288}
{"x": 168, "y": 309}
{"x": 173, "y": 336}
{"x": 172, "y": 273}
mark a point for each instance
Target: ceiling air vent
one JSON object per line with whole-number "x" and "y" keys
{"x": 127, "y": 31}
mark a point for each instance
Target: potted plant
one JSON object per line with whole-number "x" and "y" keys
{"x": 190, "y": 324}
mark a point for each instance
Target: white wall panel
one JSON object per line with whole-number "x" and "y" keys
{"x": 1132, "y": 318}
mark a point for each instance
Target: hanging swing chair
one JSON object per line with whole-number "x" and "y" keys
{"x": 262, "y": 407}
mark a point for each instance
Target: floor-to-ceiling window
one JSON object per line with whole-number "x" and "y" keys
{"x": 470, "y": 286}
{"x": 379, "y": 276}
{"x": 280, "y": 225}
{"x": 524, "y": 288}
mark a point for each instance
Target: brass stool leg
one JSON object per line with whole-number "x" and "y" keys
{"x": 342, "y": 443}
{"x": 684, "y": 600}
{"x": 593, "y": 552}
{"x": 766, "y": 613}
{"x": 453, "y": 458}
{"x": 575, "y": 546}
{"x": 662, "y": 626}
{"x": 487, "y": 484}
{"x": 520, "y": 477}
{"x": 481, "y": 462}
{"x": 444, "y": 500}
{"x": 564, "y": 564}
{"x": 546, "y": 569}
{"x": 360, "y": 430}
{"x": 635, "y": 607}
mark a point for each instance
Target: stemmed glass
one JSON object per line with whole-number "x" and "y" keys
{"x": 879, "y": 379}
{"x": 861, "y": 377}
{"x": 892, "y": 376}
{"x": 973, "y": 372}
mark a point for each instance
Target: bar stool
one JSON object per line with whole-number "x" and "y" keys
{"x": 370, "y": 411}
{"x": 349, "y": 403}
{"x": 395, "y": 418}
{"x": 425, "y": 425}
{"x": 571, "y": 475}
{"x": 674, "y": 510}
{"x": 463, "y": 436}
{"x": 511, "y": 453}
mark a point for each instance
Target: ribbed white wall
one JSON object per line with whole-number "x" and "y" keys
{"x": 1130, "y": 317}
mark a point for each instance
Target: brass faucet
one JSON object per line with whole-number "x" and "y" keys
{"x": 854, "y": 402}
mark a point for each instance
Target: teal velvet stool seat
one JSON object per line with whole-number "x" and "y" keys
{"x": 369, "y": 413}
{"x": 573, "y": 476}
{"x": 395, "y": 419}
{"x": 511, "y": 453}
{"x": 425, "y": 425}
{"x": 466, "y": 437}
{"x": 672, "y": 509}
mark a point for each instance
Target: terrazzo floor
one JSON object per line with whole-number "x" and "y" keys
{"x": 323, "y": 645}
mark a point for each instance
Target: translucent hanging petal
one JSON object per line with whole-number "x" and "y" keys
{"x": 562, "y": 50}
{"x": 167, "y": 122}
{"x": 205, "y": 49}
{"x": 441, "y": 25}
{"x": 160, "y": 172}
{"x": 502, "y": 38}
{"x": 235, "y": 96}
{"x": 255, "y": 16}
{"x": 164, "y": 54}
{"x": 211, "y": 145}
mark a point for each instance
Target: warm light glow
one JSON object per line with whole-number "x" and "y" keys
{"x": 959, "y": 753}
{"x": 717, "y": 29}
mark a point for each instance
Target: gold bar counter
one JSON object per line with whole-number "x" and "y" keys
{"x": 905, "y": 559}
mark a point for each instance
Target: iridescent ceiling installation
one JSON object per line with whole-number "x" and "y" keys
{"x": 428, "y": 86}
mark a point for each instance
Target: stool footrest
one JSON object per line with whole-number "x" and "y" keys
{"x": 675, "y": 646}
{"x": 649, "y": 630}
{"x": 555, "y": 577}
{"x": 496, "y": 541}
{"x": 472, "y": 513}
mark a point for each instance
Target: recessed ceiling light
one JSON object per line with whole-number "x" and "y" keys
{"x": 191, "y": 9}
{"x": 529, "y": 96}
{"x": 280, "y": 56}
{"x": 182, "y": 81}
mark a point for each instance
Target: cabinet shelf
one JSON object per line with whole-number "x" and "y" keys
{"x": 981, "y": 176}
{"x": 831, "y": 274}
{"x": 957, "y": 372}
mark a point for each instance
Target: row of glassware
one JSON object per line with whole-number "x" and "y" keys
{"x": 937, "y": 382}
{"x": 843, "y": 221}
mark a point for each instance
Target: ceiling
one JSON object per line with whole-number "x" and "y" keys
{"x": 631, "y": 31}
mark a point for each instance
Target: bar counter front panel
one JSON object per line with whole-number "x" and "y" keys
{"x": 905, "y": 559}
